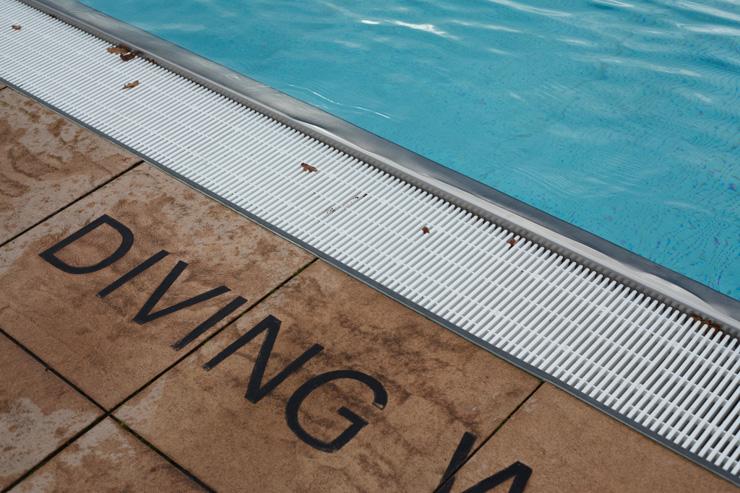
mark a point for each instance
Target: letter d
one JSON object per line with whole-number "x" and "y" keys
{"x": 127, "y": 239}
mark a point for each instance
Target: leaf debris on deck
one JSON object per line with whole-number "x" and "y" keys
{"x": 123, "y": 51}
{"x": 118, "y": 50}
{"x": 308, "y": 168}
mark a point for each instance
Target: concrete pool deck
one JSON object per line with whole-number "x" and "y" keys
{"x": 346, "y": 389}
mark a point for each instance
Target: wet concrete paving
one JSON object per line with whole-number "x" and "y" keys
{"x": 570, "y": 446}
{"x": 47, "y": 162}
{"x": 155, "y": 340}
{"x": 418, "y": 388}
{"x": 108, "y": 459}
{"x": 39, "y": 412}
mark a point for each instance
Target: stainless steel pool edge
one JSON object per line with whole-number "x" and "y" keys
{"x": 594, "y": 252}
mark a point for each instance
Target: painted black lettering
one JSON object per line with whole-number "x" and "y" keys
{"x": 520, "y": 472}
{"x": 255, "y": 390}
{"x": 380, "y": 399}
{"x": 210, "y": 322}
{"x": 127, "y": 239}
{"x": 146, "y": 315}
{"x": 458, "y": 458}
{"x": 132, "y": 273}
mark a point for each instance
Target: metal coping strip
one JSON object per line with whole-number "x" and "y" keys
{"x": 727, "y": 351}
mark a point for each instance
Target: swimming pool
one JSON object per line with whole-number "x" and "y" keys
{"x": 620, "y": 118}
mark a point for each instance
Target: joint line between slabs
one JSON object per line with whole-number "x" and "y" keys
{"x": 78, "y": 199}
{"x": 485, "y": 441}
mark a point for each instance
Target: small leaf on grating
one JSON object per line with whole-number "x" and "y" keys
{"x": 307, "y": 167}
{"x": 511, "y": 242}
{"x": 705, "y": 321}
{"x": 118, "y": 50}
{"x": 131, "y": 85}
{"x": 127, "y": 56}
{"x": 16, "y": 27}
{"x": 425, "y": 230}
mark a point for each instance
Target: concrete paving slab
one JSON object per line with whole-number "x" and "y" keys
{"x": 107, "y": 459}
{"x": 570, "y": 446}
{"x": 38, "y": 412}
{"x": 81, "y": 308}
{"x": 381, "y": 405}
{"x": 46, "y": 162}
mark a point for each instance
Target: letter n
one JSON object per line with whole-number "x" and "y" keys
{"x": 255, "y": 390}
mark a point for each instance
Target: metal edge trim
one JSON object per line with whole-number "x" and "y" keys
{"x": 735, "y": 480}
{"x": 636, "y": 272}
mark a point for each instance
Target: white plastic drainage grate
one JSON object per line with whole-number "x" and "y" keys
{"x": 654, "y": 367}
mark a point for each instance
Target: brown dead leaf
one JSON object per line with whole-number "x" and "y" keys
{"x": 511, "y": 242}
{"x": 118, "y": 50}
{"x": 127, "y": 56}
{"x": 425, "y": 230}
{"x": 705, "y": 321}
{"x": 16, "y": 27}
{"x": 307, "y": 167}
{"x": 131, "y": 85}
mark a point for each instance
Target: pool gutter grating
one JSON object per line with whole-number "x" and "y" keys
{"x": 658, "y": 369}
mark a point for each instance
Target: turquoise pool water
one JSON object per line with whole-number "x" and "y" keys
{"x": 620, "y": 117}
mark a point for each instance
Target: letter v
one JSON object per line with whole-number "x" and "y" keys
{"x": 146, "y": 315}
